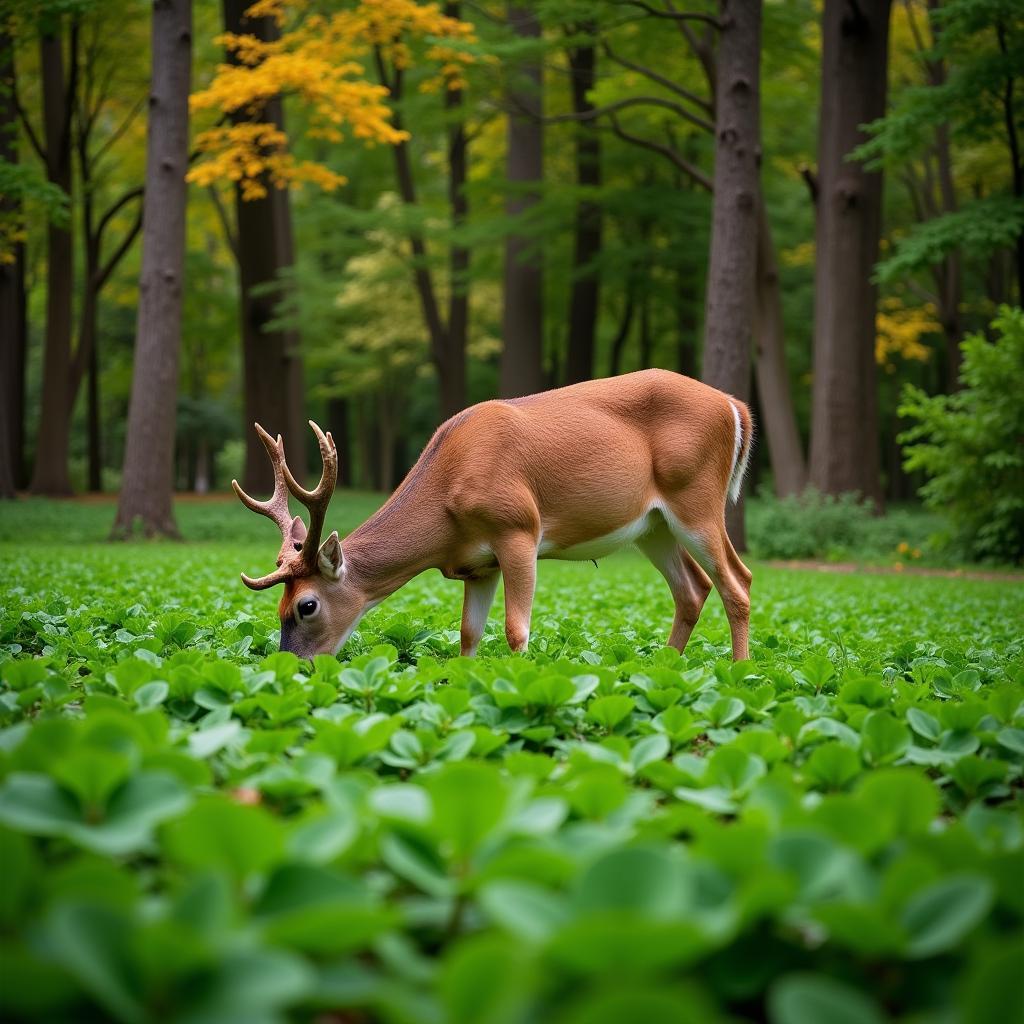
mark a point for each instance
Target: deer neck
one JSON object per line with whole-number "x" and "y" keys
{"x": 402, "y": 539}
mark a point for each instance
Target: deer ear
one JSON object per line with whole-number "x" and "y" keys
{"x": 297, "y": 533}
{"x": 329, "y": 558}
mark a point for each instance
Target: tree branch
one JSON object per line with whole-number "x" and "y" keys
{"x": 119, "y": 131}
{"x": 695, "y": 175}
{"x": 654, "y": 76}
{"x": 633, "y": 101}
{"x": 112, "y": 211}
{"x": 116, "y": 256}
{"x": 225, "y": 223}
{"x": 27, "y": 125}
{"x": 673, "y": 15}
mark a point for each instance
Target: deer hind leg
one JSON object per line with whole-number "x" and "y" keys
{"x": 479, "y": 596}
{"x": 711, "y": 547}
{"x": 688, "y": 582}
{"x": 517, "y": 559}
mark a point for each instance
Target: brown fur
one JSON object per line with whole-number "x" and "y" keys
{"x": 561, "y": 468}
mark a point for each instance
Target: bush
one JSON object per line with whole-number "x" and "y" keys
{"x": 971, "y": 445}
{"x": 810, "y": 525}
{"x": 814, "y": 525}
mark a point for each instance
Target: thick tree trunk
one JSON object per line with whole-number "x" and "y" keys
{"x": 148, "y": 482}
{"x": 732, "y": 265}
{"x": 271, "y": 359}
{"x": 778, "y": 416}
{"x": 844, "y": 427}
{"x": 12, "y": 297}
{"x": 586, "y": 280}
{"x": 50, "y": 475}
{"x": 522, "y": 371}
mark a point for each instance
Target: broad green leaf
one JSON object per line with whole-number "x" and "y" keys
{"x": 938, "y": 917}
{"x": 817, "y": 998}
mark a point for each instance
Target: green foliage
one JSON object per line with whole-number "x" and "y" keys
{"x": 979, "y": 228}
{"x": 814, "y": 525}
{"x": 969, "y": 444}
{"x": 194, "y": 826}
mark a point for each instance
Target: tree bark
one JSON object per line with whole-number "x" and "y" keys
{"x": 13, "y": 338}
{"x": 451, "y": 359}
{"x": 148, "y": 482}
{"x": 785, "y": 448}
{"x": 522, "y": 371}
{"x": 586, "y": 279}
{"x": 272, "y": 373}
{"x": 338, "y": 425}
{"x": 622, "y": 334}
{"x": 95, "y": 442}
{"x": 844, "y": 426}
{"x": 50, "y": 476}
{"x": 732, "y": 265}
{"x": 686, "y": 322}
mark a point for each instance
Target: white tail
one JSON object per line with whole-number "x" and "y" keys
{"x": 742, "y": 447}
{"x": 648, "y": 458}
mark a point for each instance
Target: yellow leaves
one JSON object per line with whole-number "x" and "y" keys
{"x": 252, "y": 154}
{"x": 321, "y": 62}
{"x": 801, "y": 255}
{"x": 899, "y": 329}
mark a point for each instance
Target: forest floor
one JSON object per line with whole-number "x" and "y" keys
{"x": 195, "y": 827}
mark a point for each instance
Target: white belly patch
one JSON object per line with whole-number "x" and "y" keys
{"x": 599, "y": 547}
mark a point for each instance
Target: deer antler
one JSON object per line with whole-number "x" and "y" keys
{"x": 299, "y": 548}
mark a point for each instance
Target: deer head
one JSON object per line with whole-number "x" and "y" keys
{"x": 320, "y": 607}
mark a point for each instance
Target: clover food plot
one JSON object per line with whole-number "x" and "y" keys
{"x": 196, "y": 828}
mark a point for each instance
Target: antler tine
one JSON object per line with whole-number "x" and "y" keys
{"x": 316, "y": 500}
{"x": 270, "y": 580}
{"x": 275, "y": 507}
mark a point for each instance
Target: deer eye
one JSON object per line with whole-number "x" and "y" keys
{"x": 308, "y": 607}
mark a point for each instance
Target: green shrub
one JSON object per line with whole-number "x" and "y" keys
{"x": 971, "y": 444}
{"x": 814, "y": 525}
{"x": 810, "y": 525}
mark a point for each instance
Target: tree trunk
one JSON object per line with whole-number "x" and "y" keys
{"x": 732, "y": 265}
{"x": 271, "y": 359}
{"x": 147, "y": 487}
{"x": 50, "y": 475}
{"x": 586, "y": 280}
{"x": 789, "y": 467}
{"x": 844, "y": 427}
{"x": 95, "y": 442}
{"x": 337, "y": 424}
{"x": 451, "y": 359}
{"x": 12, "y": 297}
{"x": 522, "y": 371}
{"x": 622, "y": 334}
{"x": 949, "y": 273}
{"x": 686, "y": 322}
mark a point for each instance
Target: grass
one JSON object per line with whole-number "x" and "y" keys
{"x": 194, "y": 827}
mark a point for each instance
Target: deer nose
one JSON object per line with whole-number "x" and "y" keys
{"x": 288, "y": 635}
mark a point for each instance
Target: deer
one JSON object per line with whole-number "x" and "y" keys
{"x": 649, "y": 458}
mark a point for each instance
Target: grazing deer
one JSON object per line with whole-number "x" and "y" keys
{"x": 648, "y": 458}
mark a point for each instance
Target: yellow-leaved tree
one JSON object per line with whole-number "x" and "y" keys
{"x": 321, "y": 59}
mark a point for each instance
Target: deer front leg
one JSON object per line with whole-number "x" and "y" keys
{"x": 479, "y": 596}
{"x": 517, "y": 558}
